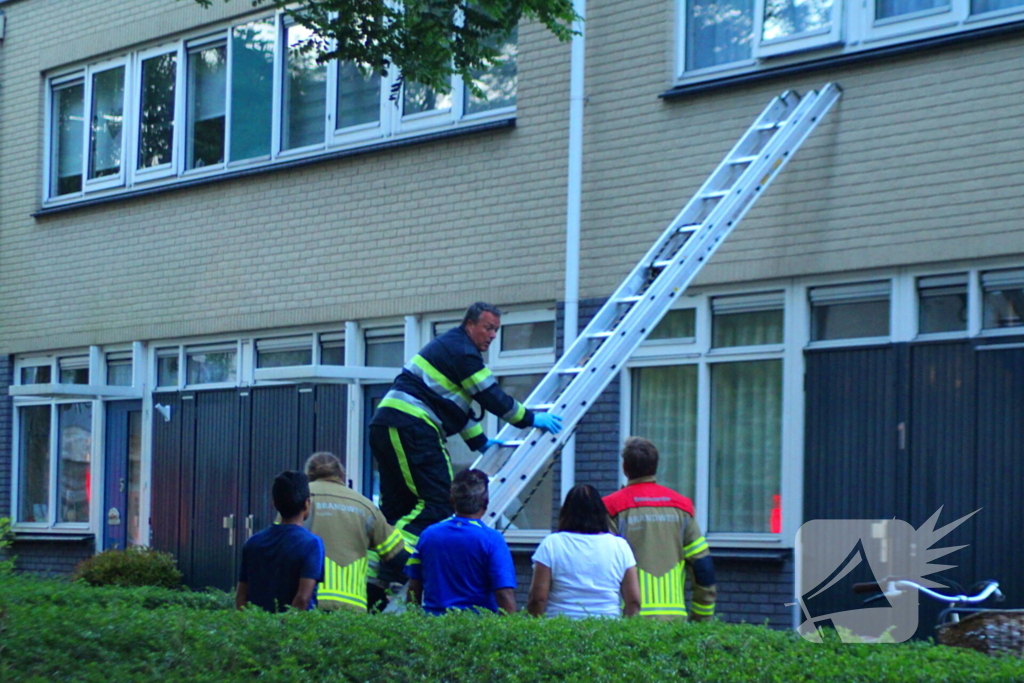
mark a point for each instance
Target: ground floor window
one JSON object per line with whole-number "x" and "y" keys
{"x": 54, "y": 463}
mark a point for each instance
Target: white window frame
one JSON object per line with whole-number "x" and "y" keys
{"x": 699, "y": 352}
{"x": 392, "y": 123}
{"x": 854, "y": 28}
{"x": 851, "y": 294}
{"x": 128, "y": 125}
{"x": 95, "y": 466}
{"x": 173, "y": 168}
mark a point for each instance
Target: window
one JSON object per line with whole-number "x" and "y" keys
{"x": 285, "y": 352}
{"x": 74, "y": 370}
{"x": 850, "y": 311}
{"x": 713, "y": 407}
{"x": 679, "y": 325}
{"x": 211, "y": 365}
{"x": 746, "y": 34}
{"x": 332, "y": 348}
{"x": 119, "y": 369}
{"x": 54, "y": 464}
{"x": 36, "y": 374}
{"x": 248, "y": 93}
{"x": 385, "y": 348}
{"x": 207, "y": 105}
{"x": 528, "y": 337}
{"x": 305, "y": 92}
{"x": 746, "y": 320}
{"x": 158, "y": 88}
{"x": 167, "y": 363}
{"x": 1003, "y": 299}
{"x": 942, "y": 304}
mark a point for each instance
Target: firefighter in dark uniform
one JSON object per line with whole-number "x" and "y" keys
{"x": 429, "y": 401}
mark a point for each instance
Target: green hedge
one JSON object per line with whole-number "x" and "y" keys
{"x": 53, "y": 631}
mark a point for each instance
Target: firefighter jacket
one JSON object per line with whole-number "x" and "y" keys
{"x": 440, "y": 384}
{"x": 350, "y": 526}
{"x": 668, "y": 544}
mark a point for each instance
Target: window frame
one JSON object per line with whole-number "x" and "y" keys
{"x": 699, "y": 352}
{"x": 51, "y": 525}
{"x": 855, "y": 28}
{"x": 392, "y": 124}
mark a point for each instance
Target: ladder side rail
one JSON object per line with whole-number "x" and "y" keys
{"x": 582, "y": 384}
{"x": 572, "y": 404}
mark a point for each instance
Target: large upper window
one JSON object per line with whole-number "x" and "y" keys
{"x": 251, "y": 93}
{"x": 738, "y": 34}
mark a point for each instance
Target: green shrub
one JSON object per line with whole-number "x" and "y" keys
{"x": 6, "y": 540}
{"x": 137, "y": 566}
{"x": 59, "y": 631}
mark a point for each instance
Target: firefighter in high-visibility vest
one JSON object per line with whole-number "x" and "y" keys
{"x": 429, "y": 401}
{"x": 353, "y": 529}
{"x": 668, "y": 544}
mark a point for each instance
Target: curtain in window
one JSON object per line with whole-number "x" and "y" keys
{"x": 358, "y": 97}
{"x": 207, "y": 94}
{"x": 748, "y": 328}
{"x": 664, "y": 407}
{"x": 305, "y": 92}
{"x": 746, "y": 444}
{"x": 718, "y": 32}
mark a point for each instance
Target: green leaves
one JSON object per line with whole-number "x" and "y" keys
{"x": 427, "y": 41}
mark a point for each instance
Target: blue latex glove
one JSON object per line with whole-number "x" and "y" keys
{"x": 491, "y": 442}
{"x": 547, "y": 422}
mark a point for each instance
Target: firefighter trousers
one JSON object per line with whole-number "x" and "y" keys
{"x": 415, "y": 476}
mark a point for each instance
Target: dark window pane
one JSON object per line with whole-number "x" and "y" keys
{"x": 252, "y": 88}
{"x": 34, "y": 464}
{"x": 746, "y": 328}
{"x": 207, "y": 81}
{"x": 38, "y": 374}
{"x": 68, "y": 129}
{"x": 156, "y": 126}
{"x": 678, "y": 324}
{"x": 525, "y": 336}
{"x": 849, "y": 320}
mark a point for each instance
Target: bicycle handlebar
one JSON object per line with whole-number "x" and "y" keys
{"x": 893, "y": 587}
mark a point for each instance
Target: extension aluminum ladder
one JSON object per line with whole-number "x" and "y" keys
{"x": 640, "y": 302}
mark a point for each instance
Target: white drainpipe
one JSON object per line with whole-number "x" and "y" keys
{"x": 572, "y": 221}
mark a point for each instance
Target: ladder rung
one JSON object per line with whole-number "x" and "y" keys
{"x": 689, "y": 227}
{"x": 715, "y": 194}
{"x": 512, "y": 443}
{"x": 570, "y": 371}
{"x": 771, "y": 126}
{"x": 661, "y": 264}
{"x": 631, "y": 299}
{"x": 542, "y": 406}
{"x": 601, "y": 335}
{"x": 743, "y": 160}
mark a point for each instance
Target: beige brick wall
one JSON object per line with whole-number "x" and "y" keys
{"x": 414, "y": 229}
{"x": 918, "y": 162}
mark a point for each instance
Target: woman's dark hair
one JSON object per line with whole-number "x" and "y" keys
{"x": 583, "y": 511}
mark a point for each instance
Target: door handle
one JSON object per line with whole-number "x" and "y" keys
{"x": 249, "y": 524}
{"x": 229, "y": 524}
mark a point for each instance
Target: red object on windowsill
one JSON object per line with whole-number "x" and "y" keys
{"x": 775, "y": 521}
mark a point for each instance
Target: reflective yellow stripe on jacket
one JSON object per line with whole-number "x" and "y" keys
{"x": 662, "y": 596}
{"x": 343, "y": 586}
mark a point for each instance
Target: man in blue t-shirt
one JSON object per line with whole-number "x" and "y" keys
{"x": 460, "y": 563}
{"x": 282, "y": 564}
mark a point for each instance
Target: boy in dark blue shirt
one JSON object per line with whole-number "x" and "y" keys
{"x": 282, "y": 564}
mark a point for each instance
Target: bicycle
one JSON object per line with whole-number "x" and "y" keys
{"x": 984, "y": 629}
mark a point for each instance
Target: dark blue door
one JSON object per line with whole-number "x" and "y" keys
{"x": 122, "y": 478}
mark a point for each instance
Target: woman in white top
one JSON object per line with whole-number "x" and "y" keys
{"x": 583, "y": 569}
